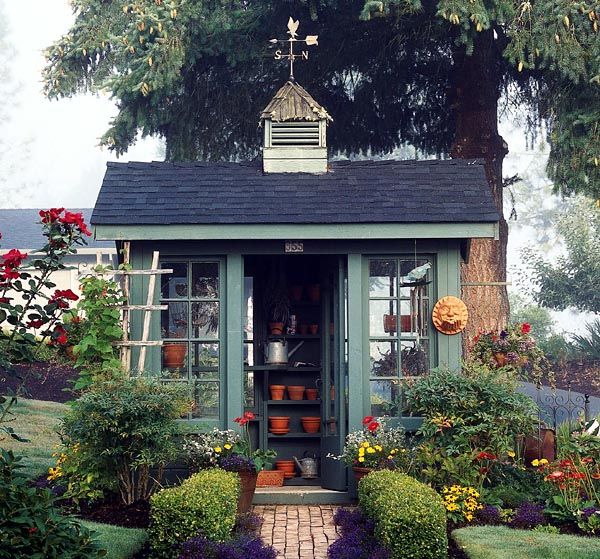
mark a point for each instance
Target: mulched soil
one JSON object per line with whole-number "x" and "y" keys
{"x": 580, "y": 376}
{"x": 45, "y": 381}
{"x": 136, "y": 515}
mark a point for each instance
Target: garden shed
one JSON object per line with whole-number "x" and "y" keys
{"x": 296, "y": 271}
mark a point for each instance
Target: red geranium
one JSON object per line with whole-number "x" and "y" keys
{"x": 373, "y": 426}
{"x": 367, "y": 419}
{"x": 525, "y": 328}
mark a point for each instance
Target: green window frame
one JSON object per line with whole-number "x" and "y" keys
{"x": 193, "y": 331}
{"x": 398, "y": 331}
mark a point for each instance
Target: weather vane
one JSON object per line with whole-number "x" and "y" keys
{"x": 291, "y": 56}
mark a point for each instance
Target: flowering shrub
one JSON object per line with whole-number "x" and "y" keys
{"x": 513, "y": 348}
{"x": 258, "y": 458}
{"x": 241, "y": 547}
{"x": 461, "y": 503}
{"x": 588, "y": 520}
{"x": 528, "y": 515}
{"x": 357, "y": 537}
{"x": 204, "y": 450}
{"x": 489, "y": 514}
{"x": 376, "y": 446}
{"x": 237, "y": 463}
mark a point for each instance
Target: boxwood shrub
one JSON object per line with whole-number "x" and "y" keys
{"x": 410, "y": 518}
{"x": 204, "y": 504}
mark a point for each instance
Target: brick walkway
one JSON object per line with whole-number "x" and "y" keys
{"x": 298, "y": 531}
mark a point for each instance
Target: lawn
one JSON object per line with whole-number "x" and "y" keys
{"x": 37, "y": 421}
{"x": 500, "y": 542}
{"x": 120, "y": 543}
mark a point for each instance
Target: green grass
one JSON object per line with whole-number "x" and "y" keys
{"x": 37, "y": 421}
{"x": 120, "y": 543}
{"x": 500, "y": 542}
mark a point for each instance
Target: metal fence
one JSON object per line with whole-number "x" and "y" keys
{"x": 558, "y": 406}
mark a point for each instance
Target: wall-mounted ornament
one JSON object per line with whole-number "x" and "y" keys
{"x": 450, "y": 315}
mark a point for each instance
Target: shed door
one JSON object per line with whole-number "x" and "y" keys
{"x": 334, "y": 409}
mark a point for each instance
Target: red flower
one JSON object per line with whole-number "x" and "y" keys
{"x": 35, "y": 323}
{"x": 483, "y": 470}
{"x": 71, "y": 218}
{"x": 485, "y": 456}
{"x": 13, "y": 258}
{"x": 587, "y": 460}
{"x": 5, "y": 300}
{"x": 51, "y": 215}
{"x": 555, "y": 476}
{"x": 577, "y": 475}
{"x": 9, "y": 273}
{"x": 65, "y": 294}
{"x": 525, "y": 328}
{"x": 241, "y": 421}
{"x": 32, "y": 530}
{"x": 59, "y": 335}
{"x": 368, "y": 419}
{"x": 373, "y": 426}
{"x": 248, "y": 415}
{"x": 566, "y": 463}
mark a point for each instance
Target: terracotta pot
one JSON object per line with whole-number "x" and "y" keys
{"x": 270, "y": 478}
{"x": 313, "y": 292}
{"x": 542, "y": 446}
{"x": 276, "y": 328}
{"x": 390, "y": 323}
{"x": 277, "y": 391}
{"x": 500, "y": 358}
{"x": 285, "y": 466}
{"x": 303, "y": 329}
{"x": 295, "y": 292}
{"x": 279, "y": 422}
{"x": 313, "y": 329}
{"x": 248, "y": 486}
{"x": 296, "y": 392}
{"x": 359, "y": 472}
{"x": 405, "y": 322}
{"x": 312, "y": 393}
{"x": 173, "y": 355}
{"x": 311, "y": 424}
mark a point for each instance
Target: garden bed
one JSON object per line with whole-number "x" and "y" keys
{"x": 46, "y": 381}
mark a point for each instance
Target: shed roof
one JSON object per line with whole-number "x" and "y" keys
{"x": 293, "y": 103}
{"x": 361, "y": 192}
{"x": 21, "y": 229}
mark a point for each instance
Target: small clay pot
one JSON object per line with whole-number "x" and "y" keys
{"x": 311, "y": 424}
{"x": 277, "y": 391}
{"x": 312, "y": 393}
{"x": 286, "y": 466}
{"x": 295, "y": 292}
{"x": 303, "y": 329}
{"x": 313, "y": 291}
{"x": 276, "y": 328}
{"x": 279, "y": 421}
{"x": 313, "y": 329}
{"x": 390, "y": 323}
{"x": 296, "y": 392}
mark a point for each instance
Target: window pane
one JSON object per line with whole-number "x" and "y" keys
{"x": 414, "y": 358}
{"x": 205, "y": 320}
{"x": 174, "y": 321}
{"x": 249, "y": 390}
{"x": 205, "y": 280}
{"x": 383, "y": 317}
{"x": 407, "y": 321}
{"x": 174, "y": 359}
{"x": 382, "y": 278}
{"x": 206, "y": 398}
{"x": 175, "y": 285}
{"x": 414, "y": 272}
{"x": 205, "y": 361}
{"x": 384, "y": 359}
{"x": 385, "y": 397}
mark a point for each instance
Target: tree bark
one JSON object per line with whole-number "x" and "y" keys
{"x": 475, "y": 106}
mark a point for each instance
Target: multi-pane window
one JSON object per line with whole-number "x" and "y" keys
{"x": 398, "y": 310}
{"x": 191, "y": 328}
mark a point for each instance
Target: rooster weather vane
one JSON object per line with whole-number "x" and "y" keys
{"x": 291, "y": 56}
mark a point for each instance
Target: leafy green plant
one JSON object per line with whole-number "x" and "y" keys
{"x": 95, "y": 352}
{"x": 128, "y": 426}
{"x": 32, "y": 526}
{"x": 410, "y": 517}
{"x": 204, "y": 503}
{"x": 589, "y": 345}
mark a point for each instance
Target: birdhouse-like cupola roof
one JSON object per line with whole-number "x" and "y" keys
{"x": 293, "y": 103}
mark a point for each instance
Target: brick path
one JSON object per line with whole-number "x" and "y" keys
{"x": 298, "y": 531}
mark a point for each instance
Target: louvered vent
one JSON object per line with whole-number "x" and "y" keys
{"x": 295, "y": 134}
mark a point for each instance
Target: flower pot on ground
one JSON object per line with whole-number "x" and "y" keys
{"x": 359, "y": 472}
{"x": 277, "y": 391}
{"x": 270, "y": 478}
{"x": 276, "y": 328}
{"x": 311, "y": 424}
{"x": 313, "y": 291}
{"x": 540, "y": 445}
{"x": 312, "y": 393}
{"x": 247, "y": 489}
{"x": 295, "y": 392}
{"x": 174, "y": 355}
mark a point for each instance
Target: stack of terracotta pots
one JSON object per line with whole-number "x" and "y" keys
{"x": 279, "y": 424}
{"x": 311, "y": 424}
{"x": 287, "y": 466}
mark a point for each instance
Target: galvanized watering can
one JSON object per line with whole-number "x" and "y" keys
{"x": 308, "y": 467}
{"x": 276, "y": 352}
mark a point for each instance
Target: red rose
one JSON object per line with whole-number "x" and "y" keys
{"x": 71, "y": 218}
{"x": 51, "y": 215}
{"x": 9, "y": 273}
{"x": 65, "y": 294}
{"x": 368, "y": 419}
{"x": 373, "y": 426}
{"x": 13, "y": 258}
{"x": 59, "y": 335}
{"x": 5, "y": 300}
{"x": 35, "y": 323}
{"x": 525, "y": 328}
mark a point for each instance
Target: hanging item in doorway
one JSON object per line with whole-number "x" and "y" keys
{"x": 450, "y": 315}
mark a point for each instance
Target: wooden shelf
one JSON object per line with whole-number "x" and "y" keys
{"x": 281, "y": 368}
{"x": 295, "y": 336}
{"x": 294, "y": 402}
{"x": 295, "y": 436}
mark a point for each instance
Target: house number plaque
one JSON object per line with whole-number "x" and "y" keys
{"x": 294, "y": 246}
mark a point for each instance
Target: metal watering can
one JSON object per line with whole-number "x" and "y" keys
{"x": 276, "y": 352}
{"x": 308, "y": 467}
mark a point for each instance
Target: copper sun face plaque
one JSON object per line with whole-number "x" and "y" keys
{"x": 450, "y": 315}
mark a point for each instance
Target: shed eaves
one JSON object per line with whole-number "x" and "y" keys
{"x": 431, "y": 191}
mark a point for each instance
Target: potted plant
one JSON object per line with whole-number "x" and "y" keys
{"x": 277, "y": 303}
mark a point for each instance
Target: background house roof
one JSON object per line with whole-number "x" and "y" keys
{"x": 431, "y": 191}
{"x": 21, "y": 229}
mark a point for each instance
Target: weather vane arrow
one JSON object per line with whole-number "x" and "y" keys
{"x": 310, "y": 40}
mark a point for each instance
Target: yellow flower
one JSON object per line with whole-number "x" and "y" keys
{"x": 218, "y": 449}
{"x": 543, "y": 461}
{"x": 365, "y": 445}
{"x": 469, "y": 517}
{"x": 361, "y": 458}
{"x": 535, "y": 462}
{"x": 227, "y": 446}
{"x": 378, "y": 448}
{"x": 511, "y": 453}
{"x": 390, "y": 457}
{"x": 370, "y": 450}
{"x": 361, "y": 451}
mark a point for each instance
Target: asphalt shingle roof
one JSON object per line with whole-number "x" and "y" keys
{"x": 21, "y": 229}
{"x": 431, "y": 191}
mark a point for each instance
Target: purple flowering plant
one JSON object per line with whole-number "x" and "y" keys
{"x": 357, "y": 537}
{"x": 528, "y": 515}
{"x": 241, "y": 547}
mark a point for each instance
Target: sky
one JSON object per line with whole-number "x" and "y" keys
{"x": 56, "y": 160}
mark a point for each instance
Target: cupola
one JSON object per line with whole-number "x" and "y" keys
{"x": 295, "y": 128}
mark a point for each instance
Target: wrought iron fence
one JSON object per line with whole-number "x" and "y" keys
{"x": 556, "y": 407}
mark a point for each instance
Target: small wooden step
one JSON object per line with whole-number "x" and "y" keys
{"x": 300, "y": 495}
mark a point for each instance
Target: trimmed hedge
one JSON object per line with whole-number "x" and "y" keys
{"x": 204, "y": 504}
{"x": 410, "y": 518}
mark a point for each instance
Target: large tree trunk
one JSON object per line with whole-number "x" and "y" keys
{"x": 476, "y": 95}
